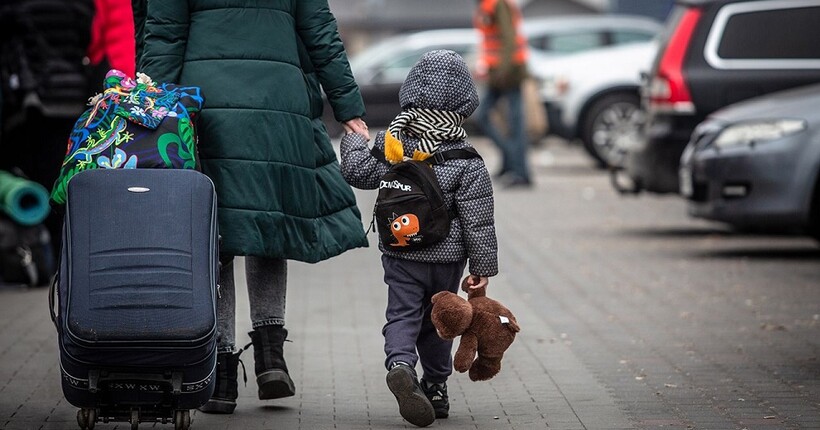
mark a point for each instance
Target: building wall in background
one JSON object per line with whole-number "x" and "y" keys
{"x": 599, "y": 5}
{"x": 536, "y": 8}
{"x": 658, "y": 9}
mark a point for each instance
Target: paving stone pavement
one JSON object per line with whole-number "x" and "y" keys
{"x": 633, "y": 316}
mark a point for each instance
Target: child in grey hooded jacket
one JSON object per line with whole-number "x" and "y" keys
{"x": 436, "y": 97}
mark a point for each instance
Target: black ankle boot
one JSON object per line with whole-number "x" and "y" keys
{"x": 226, "y": 389}
{"x": 269, "y": 362}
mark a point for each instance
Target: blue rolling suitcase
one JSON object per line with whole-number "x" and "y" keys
{"x": 137, "y": 290}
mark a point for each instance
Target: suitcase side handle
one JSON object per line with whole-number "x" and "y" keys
{"x": 52, "y": 291}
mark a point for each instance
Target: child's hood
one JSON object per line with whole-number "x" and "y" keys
{"x": 440, "y": 80}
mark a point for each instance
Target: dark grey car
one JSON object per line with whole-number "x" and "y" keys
{"x": 716, "y": 53}
{"x": 755, "y": 163}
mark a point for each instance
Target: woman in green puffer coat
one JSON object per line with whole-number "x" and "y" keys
{"x": 280, "y": 192}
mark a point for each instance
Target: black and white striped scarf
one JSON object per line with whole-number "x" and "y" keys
{"x": 430, "y": 126}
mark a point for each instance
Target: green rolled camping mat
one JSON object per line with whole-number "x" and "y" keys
{"x": 24, "y": 201}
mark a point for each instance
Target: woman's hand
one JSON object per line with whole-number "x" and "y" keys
{"x": 474, "y": 282}
{"x": 356, "y": 125}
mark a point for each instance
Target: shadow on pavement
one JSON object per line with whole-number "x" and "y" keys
{"x": 792, "y": 254}
{"x": 672, "y": 232}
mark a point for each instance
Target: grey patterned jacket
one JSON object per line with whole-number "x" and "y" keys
{"x": 440, "y": 80}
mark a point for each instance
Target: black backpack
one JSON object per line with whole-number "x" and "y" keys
{"x": 410, "y": 213}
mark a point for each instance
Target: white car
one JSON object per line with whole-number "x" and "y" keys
{"x": 594, "y": 96}
{"x": 556, "y": 36}
{"x": 380, "y": 68}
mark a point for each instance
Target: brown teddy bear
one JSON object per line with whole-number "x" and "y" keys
{"x": 486, "y": 327}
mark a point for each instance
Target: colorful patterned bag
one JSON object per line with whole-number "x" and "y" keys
{"x": 133, "y": 124}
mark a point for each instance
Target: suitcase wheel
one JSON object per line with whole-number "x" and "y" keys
{"x": 135, "y": 419}
{"x": 86, "y": 418}
{"x": 182, "y": 419}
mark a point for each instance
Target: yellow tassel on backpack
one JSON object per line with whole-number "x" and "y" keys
{"x": 420, "y": 156}
{"x": 394, "y": 150}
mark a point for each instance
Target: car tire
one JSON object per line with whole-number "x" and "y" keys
{"x": 814, "y": 211}
{"x": 610, "y": 123}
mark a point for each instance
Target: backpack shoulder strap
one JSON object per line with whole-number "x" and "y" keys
{"x": 378, "y": 155}
{"x": 437, "y": 158}
{"x": 453, "y": 154}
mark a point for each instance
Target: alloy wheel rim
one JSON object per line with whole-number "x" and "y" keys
{"x": 614, "y": 129}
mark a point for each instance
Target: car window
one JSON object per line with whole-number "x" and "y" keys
{"x": 538, "y": 42}
{"x": 374, "y": 55}
{"x": 772, "y": 34}
{"x": 621, "y": 37}
{"x": 764, "y": 35}
{"x": 574, "y": 42}
{"x": 396, "y": 69}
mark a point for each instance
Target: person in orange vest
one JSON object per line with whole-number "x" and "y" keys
{"x": 503, "y": 65}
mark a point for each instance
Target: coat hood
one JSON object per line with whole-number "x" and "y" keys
{"x": 440, "y": 80}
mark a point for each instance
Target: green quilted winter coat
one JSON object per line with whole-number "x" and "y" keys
{"x": 261, "y": 140}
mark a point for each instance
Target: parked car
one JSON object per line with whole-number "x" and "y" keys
{"x": 717, "y": 52}
{"x": 756, "y": 164}
{"x": 381, "y": 68}
{"x": 594, "y": 96}
{"x": 568, "y": 34}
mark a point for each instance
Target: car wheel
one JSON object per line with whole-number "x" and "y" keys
{"x": 814, "y": 211}
{"x": 612, "y": 123}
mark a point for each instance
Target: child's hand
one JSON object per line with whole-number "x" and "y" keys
{"x": 474, "y": 282}
{"x": 356, "y": 125}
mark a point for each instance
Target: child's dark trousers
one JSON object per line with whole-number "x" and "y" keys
{"x": 410, "y": 285}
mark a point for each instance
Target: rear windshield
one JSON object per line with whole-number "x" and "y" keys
{"x": 772, "y": 34}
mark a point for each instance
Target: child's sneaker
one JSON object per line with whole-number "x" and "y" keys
{"x": 437, "y": 395}
{"x": 413, "y": 404}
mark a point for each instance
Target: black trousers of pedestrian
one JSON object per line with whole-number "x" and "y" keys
{"x": 37, "y": 147}
{"x": 411, "y": 285}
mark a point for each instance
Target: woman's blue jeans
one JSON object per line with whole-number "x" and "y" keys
{"x": 514, "y": 148}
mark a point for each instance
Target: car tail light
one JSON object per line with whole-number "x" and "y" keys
{"x": 668, "y": 91}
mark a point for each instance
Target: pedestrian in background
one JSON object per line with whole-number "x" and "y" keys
{"x": 281, "y": 195}
{"x": 436, "y": 97}
{"x": 113, "y": 43}
{"x": 44, "y": 86}
{"x": 503, "y": 63}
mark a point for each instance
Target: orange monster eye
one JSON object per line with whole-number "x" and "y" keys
{"x": 396, "y": 226}
{"x": 405, "y": 220}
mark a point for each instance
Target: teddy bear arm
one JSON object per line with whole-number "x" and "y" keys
{"x": 485, "y": 368}
{"x": 513, "y": 324}
{"x": 466, "y": 352}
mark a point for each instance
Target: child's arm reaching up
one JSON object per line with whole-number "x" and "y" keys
{"x": 359, "y": 168}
